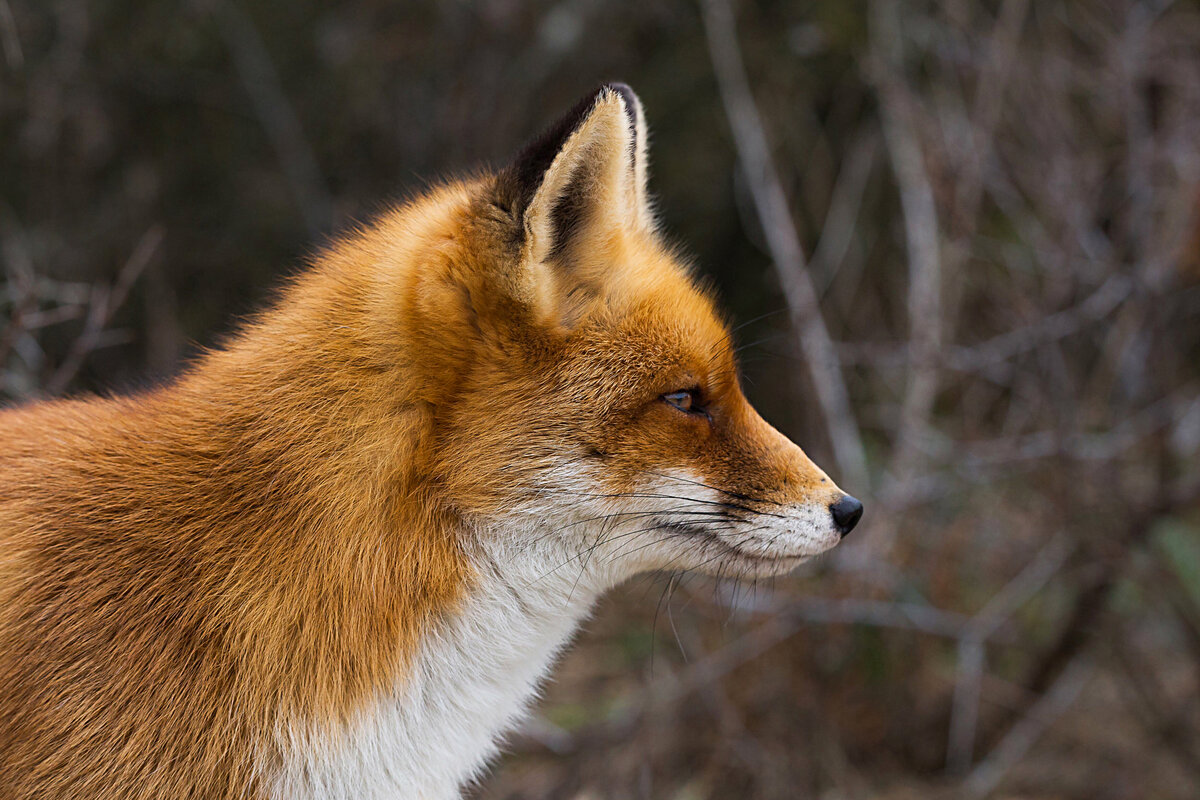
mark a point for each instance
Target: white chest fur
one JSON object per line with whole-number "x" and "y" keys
{"x": 474, "y": 674}
{"x": 472, "y": 679}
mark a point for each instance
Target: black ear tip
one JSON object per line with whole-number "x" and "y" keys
{"x": 625, "y": 90}
{"x": 626, "y": 93}
{"x": 517, "y": 183}
{"x": 631, "y": 102}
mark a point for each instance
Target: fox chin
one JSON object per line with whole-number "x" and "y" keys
{"x": 336, "y": 557}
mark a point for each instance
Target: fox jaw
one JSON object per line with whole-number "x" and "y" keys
{"x": 604, "y": 422}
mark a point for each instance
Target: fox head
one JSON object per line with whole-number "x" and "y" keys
{"x": 315, "y": 561}
{"x": 595, "y": 405}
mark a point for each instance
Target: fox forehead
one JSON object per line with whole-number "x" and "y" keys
{"x": 656, "y": 324}
{"x": 658, "y": 347}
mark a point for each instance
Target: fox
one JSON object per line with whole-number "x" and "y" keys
{"x": 337, "y": 556}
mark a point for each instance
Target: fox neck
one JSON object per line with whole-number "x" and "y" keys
{"x": 471, "y": 679}
{"x": 441, "y": 624}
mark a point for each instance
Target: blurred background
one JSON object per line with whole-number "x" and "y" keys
{"x": 961, "y": 243}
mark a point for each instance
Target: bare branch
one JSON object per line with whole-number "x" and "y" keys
{"x": 787, "y": 255}
{"x": 924, "y": 256}
{"x": 1041, "y": 715}
{"x": 837, "y": 233}
{"x": 9, "y": 38}
{"x": 105, "y": 302}
{"x": 986, "y": 355}
{"x": 258, "y": 75}
{"x": 964, "y": 714}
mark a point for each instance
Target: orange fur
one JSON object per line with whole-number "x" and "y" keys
{"x": 184, "y": 571}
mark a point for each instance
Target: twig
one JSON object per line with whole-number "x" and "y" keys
{"x": 1027, "y": 583}
{"x": 1165, "y": 720}
{"x": 1167, "y": 412}
{"x": 789, "y": 621}
{"x": 924, "y": 258}
{"x": 783, "y": 241}
{"x": 845, "y": 202}
{"x": 258, "y": 75}
{"x": 1093, "y": 599}
{"x": 784, "y": 624}
{"x": 983, "y": 356}
{"x": 906, "y": 616}
{"x": 989, "y": 101}
{"x": 964, "y": 714}
{"x": 964, "y": 711}
{"x": 105, "y": 302}
{"x": 18, "y": 324}
{"x": 1041, "y": 715}
{"x": 20, "y": 279}
{"x": 10, "y": 38}
{"x": 1059, "y": 325}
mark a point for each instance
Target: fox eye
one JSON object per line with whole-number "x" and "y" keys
{"x": 686, "y": 400}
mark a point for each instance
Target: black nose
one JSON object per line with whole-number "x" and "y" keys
{"x": 846, "y": 514}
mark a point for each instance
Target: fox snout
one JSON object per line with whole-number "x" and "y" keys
{"x": 815, "y": 487}
{"x": 846, "y": 514}
{"x": 790, "y": 509}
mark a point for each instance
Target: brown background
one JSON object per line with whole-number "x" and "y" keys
{"x": 997, "y": 202}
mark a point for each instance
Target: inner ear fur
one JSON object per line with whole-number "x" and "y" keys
{"x": 580, "y": 181}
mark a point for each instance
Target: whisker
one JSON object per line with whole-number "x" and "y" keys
{"x": 675, "y": 630}
{"x": 699, "y": 535}
{"x": 654, "y": 496}
{"x": 602, "y": 518}
{"x": 715, "y": 489}
{"x": 602, "y": 540}
{"x": 759, "y": 318}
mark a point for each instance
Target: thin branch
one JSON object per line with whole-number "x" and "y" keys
{"x": 10, "y": 38}
{"x": 904, "y": 616}
{"x": 24, "y": 307}
{"x": 924, "y": 257}
{"x": 964, "y": 714}
{"x": 984, "y": 356}
{"x": 1093, "y": 599}
{"x": 782, "y": 625}
{"x": 262, "y": 84}
{"x": 1163, "y": 717}
{"x": 964, "y": 711}
{"x": 989, "y": 101}
{"x": 105, "y": 301}
{"x": 787, "y": 255}
{"x": 1167, "y": 412}
{"x": 1053, "y": 327}
{"x": 1022, "y": 736}
{"x": 845, "y": 202}
{"x": 1027, "y": 583}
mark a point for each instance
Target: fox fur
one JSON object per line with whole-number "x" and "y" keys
{"x": 335, "y": 558}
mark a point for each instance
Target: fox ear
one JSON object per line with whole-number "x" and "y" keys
{"x": 584, "y": 177}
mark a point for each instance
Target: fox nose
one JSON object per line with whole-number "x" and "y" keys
{"x": 846, "y": 514}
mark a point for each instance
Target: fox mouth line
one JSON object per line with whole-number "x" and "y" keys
{"x": 710, "y": 538}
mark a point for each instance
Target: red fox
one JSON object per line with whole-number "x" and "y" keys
{"x": 337, "y": 556}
